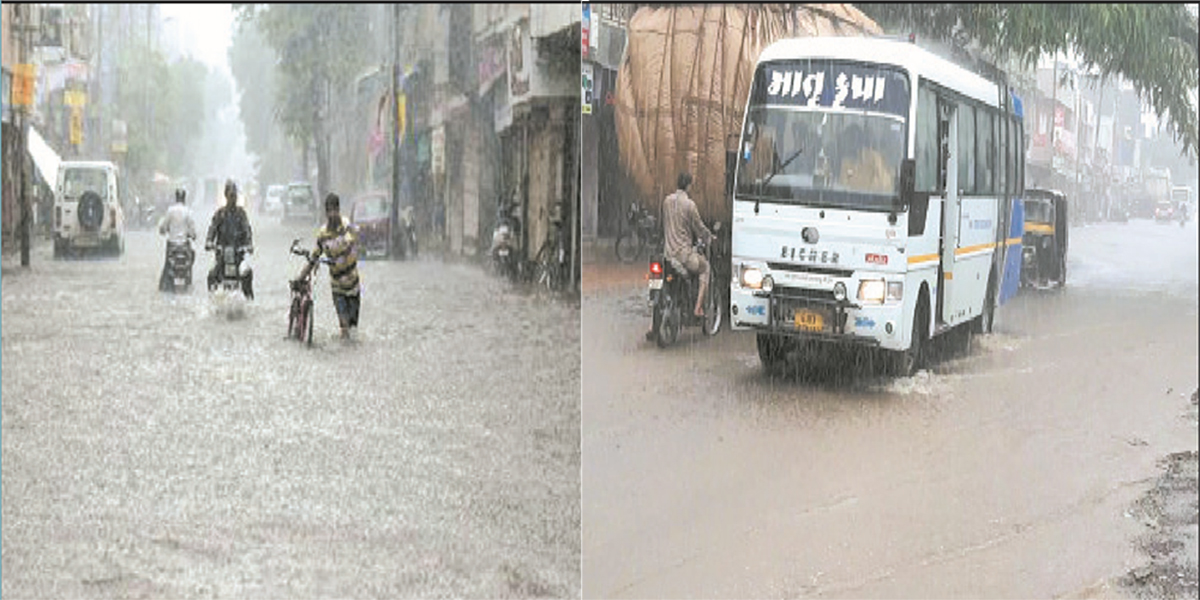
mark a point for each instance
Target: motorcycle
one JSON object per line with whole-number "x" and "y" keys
{"x": 505, "y": 239}
{"x": 180, "y": 259}
{"x": 673, "y": 294}
{"x": 300, "y": 317}
{"x": 642, "y": 232}
{"x": 233, "y": 267}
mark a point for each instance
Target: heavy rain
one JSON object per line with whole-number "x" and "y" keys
{"x": 407, "y": 423}
{"x": 1046, "y": 448}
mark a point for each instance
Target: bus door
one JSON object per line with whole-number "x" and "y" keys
{"x": 947, "y": 239}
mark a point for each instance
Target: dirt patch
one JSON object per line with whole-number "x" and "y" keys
{"x": 1170, "y": 512}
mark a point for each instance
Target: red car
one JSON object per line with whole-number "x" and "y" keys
{"x": 371, "y": 213}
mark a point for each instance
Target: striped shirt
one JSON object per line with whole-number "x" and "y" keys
{"x": 341, "y": 246}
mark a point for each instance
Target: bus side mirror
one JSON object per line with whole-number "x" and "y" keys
{"x": 908, "y": 177}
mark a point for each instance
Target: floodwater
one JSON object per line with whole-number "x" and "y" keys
{"x": 153, "y": 446}
{"x": 1005, "y": 470}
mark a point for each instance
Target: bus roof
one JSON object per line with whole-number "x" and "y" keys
{"x": 908, "y": 56}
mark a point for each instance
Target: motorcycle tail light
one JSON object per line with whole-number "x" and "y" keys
{"x": 656, "y": 268}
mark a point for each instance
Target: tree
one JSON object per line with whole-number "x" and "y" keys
{"x": 253, "y": 62}
{"x": 1153, "y": 46}
{"x": 164, "y": 107}
{"x": 320, "y": 49}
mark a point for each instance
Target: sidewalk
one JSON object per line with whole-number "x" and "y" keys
{"x": 601, "y": 271}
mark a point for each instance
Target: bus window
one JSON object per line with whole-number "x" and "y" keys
{"x": 927, "y": 141}
{"x": 1020, "y": 148}
{"x": 983, "y": 152}
{"x": 966, "y": 148}
{"x": 1002, "y": 140}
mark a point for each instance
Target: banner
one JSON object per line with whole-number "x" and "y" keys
{"x": 586, "y": 98}
{"x": 76, "y": 126}
{"x": 24, "y": 76}
{"x": 585, "y": 28}
{"x": 829, "y": 84}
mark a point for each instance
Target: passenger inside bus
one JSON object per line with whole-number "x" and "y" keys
{"x": 863, "y": 168}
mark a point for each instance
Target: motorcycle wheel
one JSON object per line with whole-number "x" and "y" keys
{"x": 629, "y": 246}
{"x": 668, "y": 328}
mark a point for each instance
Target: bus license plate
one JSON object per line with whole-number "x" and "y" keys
{"x": 808, "y": 320}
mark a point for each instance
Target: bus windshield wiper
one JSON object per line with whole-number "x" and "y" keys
{"x": 775, "y": 172}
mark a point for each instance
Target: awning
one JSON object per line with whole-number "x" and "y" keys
{"x": 44, "y": 157}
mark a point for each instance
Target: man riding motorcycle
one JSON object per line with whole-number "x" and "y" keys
{"x": 230, "y": 227}
{"x": 180, "y": 229}
{"x": 681, "y": 221}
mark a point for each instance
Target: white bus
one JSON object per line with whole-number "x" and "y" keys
{"x": 876, "y": 199}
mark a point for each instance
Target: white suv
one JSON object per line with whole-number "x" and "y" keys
{"x": 87, "y": 207}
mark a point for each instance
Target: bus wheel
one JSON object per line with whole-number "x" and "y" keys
{"x": 772, "y": 350}
{"x": 983, "y": 323}
{"x": 906, "y": 363}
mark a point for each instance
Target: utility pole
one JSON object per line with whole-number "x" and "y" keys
{"x": 24, "y": 29}
{"x": 395, "y": 209}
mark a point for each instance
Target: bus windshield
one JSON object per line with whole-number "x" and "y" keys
{"x": 837, "y": 138}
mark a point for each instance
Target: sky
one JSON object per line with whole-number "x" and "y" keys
{"x": 212, "y": 28}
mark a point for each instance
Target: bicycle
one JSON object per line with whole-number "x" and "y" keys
{"x": 300, "y": 317}
{"x": 642, "y": 233}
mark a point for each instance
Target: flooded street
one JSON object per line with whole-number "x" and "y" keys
{"x": 1007, "y": 470}
{"x": 154, "y": 447}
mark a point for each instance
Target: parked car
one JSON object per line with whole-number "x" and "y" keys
{"x": 371, "y": 214}
{"x": 273, "y": 202}
{"x": 1164, "y": 211}
{"x": 88, "y": 211}
{"x": 300, "y": 203}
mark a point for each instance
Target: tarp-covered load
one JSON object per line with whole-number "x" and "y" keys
{"x": 681, "y": 90}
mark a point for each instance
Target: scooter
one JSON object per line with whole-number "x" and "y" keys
{"x": 406, "y": 236}
{"x": 180, "y": 259}
{"x": 505, "y": 238}
{"x": 673, "y": 295}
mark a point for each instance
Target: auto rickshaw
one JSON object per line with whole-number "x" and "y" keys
{"x": 1044, "y": 245}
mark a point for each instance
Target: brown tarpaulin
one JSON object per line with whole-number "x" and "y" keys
{"x": 682, "y": 87}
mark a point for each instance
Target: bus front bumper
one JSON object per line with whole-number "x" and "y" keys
{"x": 808, "y": 316}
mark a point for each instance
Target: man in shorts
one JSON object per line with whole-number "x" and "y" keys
{"x": 338, "y": 241}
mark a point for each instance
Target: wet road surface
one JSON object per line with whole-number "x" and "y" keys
{"x": 1003, "y": 471}
{"x": 154, "y": 447}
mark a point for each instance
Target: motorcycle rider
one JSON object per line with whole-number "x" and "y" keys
{"x": 681, "y": 221}
{"x": 338, "y": 240}
{"x": 180, "y": 229}
{"x": 230, "y": 227}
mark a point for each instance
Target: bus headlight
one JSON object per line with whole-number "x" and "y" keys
{"x": 751, "y": 277}
{"x": 872, "y": 290}
{"x": 895, "y": 291}
{"x": 768, "y": 284}
{"x": 839, "y": 291}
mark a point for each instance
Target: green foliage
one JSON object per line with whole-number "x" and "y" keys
{"x": 319, "y": 49}
{"x": 163, "y": 106}
{"x": 1153, "y": 46}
